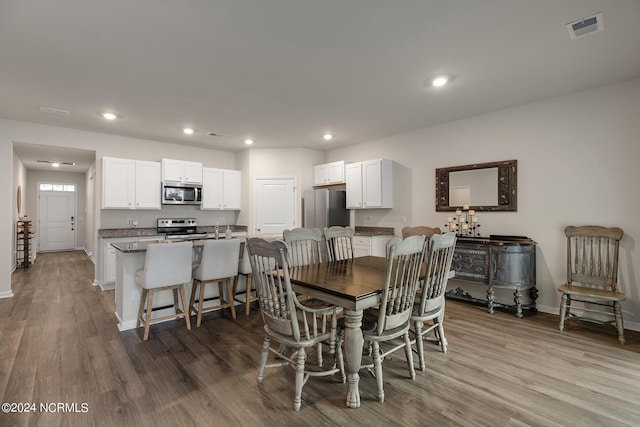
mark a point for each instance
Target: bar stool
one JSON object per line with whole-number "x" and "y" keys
{"x": 244, "y": 269}
{"x": 219, "y": 263}
{"x": 167, "y": 266}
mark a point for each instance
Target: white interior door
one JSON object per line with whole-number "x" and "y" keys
{"x": 57, "y": 220}
{"x": 275, "y": 205}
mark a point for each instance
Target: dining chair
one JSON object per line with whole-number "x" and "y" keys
{"x": 592, "y": 276}
{"x": 430, "y": 301}
{"x": 339, "y": 242}
{"x": 167, "y": 266}
{"x": 391, "y": 320}
{"x": 287, "y": 321}
{"x": 420, "y": 230}
{"x": 244, "y": 269}
{"x": 304, "y": 246}
{"x": 218, "y": 264}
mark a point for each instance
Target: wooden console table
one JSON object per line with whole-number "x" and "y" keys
{"x": 497, "y": 262}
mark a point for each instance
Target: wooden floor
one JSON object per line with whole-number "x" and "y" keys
{"x": 59, "y": 344}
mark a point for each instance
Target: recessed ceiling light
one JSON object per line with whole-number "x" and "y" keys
{"x": 440, "y": 81}
{"x": 248, "y": 141}
{"x": 109, "y": 116}
{"x": 55, "y": 164}
{"x": 188, "y": 131}
{"x": 327, "y": 136}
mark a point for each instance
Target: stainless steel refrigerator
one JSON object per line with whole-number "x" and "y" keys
{"x": 325, "y": 207}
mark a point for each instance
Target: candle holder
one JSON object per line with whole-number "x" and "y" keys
{"x": 465, "y": 223}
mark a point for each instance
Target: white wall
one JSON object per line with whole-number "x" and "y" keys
{"x": 276, "y": 163}
{"x": 19, "y": 175}
{"x": 577, "y": 164}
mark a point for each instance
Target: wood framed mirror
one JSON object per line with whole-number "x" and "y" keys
{"x": 482, "y": 186}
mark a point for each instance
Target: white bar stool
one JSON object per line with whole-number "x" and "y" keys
{"x": 167, "y": 266}
{"x": 219, "y": 263}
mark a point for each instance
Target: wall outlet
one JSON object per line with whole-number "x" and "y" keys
{"x": 135, "y": 295}
{"x": 404, "y": 219}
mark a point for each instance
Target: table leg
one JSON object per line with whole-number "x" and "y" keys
{"x": 353, "y": 343}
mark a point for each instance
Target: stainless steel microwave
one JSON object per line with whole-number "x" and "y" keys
{"x": 181, "y": 194}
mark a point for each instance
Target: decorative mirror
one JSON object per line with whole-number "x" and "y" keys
{"x": 483, "y": 187}
{"x": 19, "y": 200}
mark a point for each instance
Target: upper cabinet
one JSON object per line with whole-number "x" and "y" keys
{"x": 130, "y": 184}
{"x": 221, "y": 189}
{"x": 369, "y": 184}
{"x": 329, "y": 173}
{"x": 181, "y": 171}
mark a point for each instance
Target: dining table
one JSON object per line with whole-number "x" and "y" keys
{"x": 354, "y": 284}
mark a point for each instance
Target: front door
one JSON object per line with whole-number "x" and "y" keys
{"x": 56, "y": 218}
{"x": 275, "y": 205}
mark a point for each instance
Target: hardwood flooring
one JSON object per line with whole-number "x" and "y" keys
{"x": 59, "y": 344}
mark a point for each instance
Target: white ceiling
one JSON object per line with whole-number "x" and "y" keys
{"x": 285, "y": 71}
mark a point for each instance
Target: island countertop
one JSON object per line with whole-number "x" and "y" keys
{"x": 111, "y": 233}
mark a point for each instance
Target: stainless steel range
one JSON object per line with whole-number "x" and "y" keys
{"x": 179, "y": 228}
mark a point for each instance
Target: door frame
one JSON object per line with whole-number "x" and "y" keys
{"x": 254, "y": 213}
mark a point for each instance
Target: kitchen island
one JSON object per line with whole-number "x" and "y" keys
{"x": 130, "y": 258}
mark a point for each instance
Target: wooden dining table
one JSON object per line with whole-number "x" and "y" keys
{"x": 355, "y": 285}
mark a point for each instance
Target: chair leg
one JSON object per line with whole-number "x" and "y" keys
{"x": 185, "y": 309}
{"x": 443, "y": 340}
{"x": 200, "y": 304}
{"x": 230, "y": 301}
{"x": 176, "y": 303}
{"x": 263, "y": 358}
{"x": 247, "y": 296}
{"x": 147, "y": 317}
{"x": 420, "y": 345}
{"x": 563, "y": 310}
{"x": 297, "y": 402}
{"x": 143, "y": 298}
{"x": 377, "y": 363}
{"x": 192, "y": 300}
{"x": 339, "y": 357}
{"x": 408, "y": 351}
{"x": 617, "y": 311}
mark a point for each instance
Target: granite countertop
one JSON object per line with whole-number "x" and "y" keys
{"x": 374, "y": 231}
{"x": 112, "y": 233}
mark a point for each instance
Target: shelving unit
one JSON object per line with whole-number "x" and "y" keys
{"x": 25, "y": 251}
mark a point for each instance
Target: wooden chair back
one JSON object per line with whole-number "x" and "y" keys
{"x": 420, "y": 230}
{"x": 438, "y": 261}
{"x": 405, "y": 263}
{"x": 339, "y": 242}
{"x": 303, "y": 246}
{"x": 592, "y": 256}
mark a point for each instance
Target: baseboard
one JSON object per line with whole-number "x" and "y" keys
{"x": 6, "y": 294}
{"x": 107, "y": 286}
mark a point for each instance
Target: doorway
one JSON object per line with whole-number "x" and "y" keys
{"x": 274, "y": 201}
{"x": 56, "y": 217}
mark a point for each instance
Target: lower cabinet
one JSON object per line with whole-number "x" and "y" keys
{"x": 370, "y": 245}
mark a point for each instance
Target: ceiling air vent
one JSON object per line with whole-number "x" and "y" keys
{"x": 215, "y": 134}
{"x": 585, "y": 26}
{"x": 54, "y": 111}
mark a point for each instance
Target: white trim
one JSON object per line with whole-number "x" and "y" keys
{"x": 7, "y": 294}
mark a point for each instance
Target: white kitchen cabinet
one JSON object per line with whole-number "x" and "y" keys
{"x": 370, "y": 245}
{"x": 147, "y": 185}
{"x": 221, "y": 189}
{"x": 130, "y": 184}
{"x": 181, "y": 171}
{"x": 329, "y": 173}
{"x": 369, "y": 184}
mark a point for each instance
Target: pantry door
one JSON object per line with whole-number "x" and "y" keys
{"x": 275, "y": 205}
